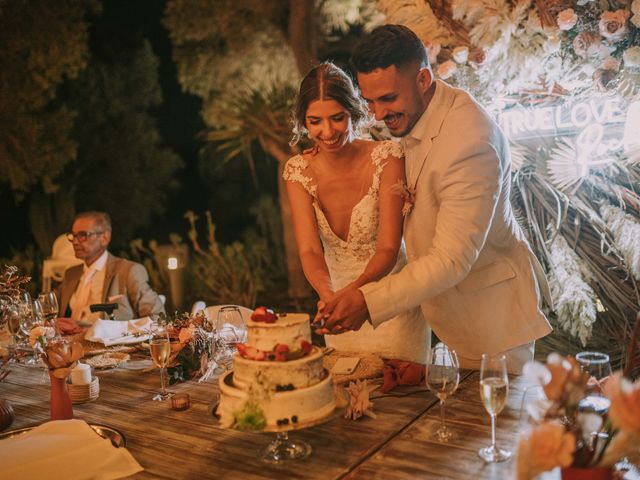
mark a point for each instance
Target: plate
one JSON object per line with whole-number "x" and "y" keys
{"x": 117, "y": 438}
{"x": 107, "y": 360}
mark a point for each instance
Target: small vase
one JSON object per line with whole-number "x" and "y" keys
{"x": 594, "y": 473}
{"x": 60, "y": 401}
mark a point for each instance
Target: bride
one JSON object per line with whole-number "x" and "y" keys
{"x": 346, "y": 215}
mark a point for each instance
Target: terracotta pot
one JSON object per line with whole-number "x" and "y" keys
{"x": 595, "y": 473}
{"x": 60, "y": 401}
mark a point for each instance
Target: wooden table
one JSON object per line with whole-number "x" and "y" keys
{"x": 189, "y": 444}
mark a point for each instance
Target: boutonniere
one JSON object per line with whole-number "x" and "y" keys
{"x": 407, "y": 193}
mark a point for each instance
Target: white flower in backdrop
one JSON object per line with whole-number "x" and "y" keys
{"x": 613, "y": 25}
{"x": 446, "y": 69}
{"x": 461, "y": 54}
{"x": 567, "y": 19}
{"x": 631, "y": 57}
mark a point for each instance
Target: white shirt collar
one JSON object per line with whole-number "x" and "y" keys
{"x": 99, "y": 263}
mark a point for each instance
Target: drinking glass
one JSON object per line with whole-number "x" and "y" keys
{"x": 230, "y": 330}
{"x": 37, "y": 313}
{"x": 597, "y": 365}
{"x": 50, "y": 308}
{"x": 442, "y": 376}
{"x": 494, "y": 390}
{"x": 160, "y": 348}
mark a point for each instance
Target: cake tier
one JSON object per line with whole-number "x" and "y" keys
{"x": 278, "y": 411}
{"x": 290, "y": 329}
{"x": 274, "y": 375}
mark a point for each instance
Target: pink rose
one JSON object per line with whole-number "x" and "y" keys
{"x": 186, "y": 334}
{"x": 613, "y": 25}
{"x": 567, "y": 19}
{"x": 433, "y": 50}
{"x": 611, "y": 63}
{"x": 586, "y": 44}
{"x": 446, "y": 69}
{"x": 546, "y": 446}
{"x": 476, "y": 57}
{"x": 625, "y": 402}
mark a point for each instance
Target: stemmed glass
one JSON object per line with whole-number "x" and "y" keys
{"x": 597, "y": 365}
{"x": 37, "y": 313}
{"x": 494, "y": 390}
{"x": 50, "y": 308}
{"x": 160, "y": 347}
{"x": 443, "y": 376}
{"x": 230, "y": 329}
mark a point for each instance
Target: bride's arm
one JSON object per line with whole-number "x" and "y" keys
{"x": 308, "y": 241}
{"x": 389, "y": 227}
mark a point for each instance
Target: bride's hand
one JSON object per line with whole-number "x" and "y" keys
{"x": 321, "y": 315}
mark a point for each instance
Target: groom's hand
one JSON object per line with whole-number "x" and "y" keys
{"x": 347, "y": 311}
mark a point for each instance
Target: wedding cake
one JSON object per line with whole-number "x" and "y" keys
{"x": 278, "y": 381}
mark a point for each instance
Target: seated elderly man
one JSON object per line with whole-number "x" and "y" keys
{"x": 103, "y": 278}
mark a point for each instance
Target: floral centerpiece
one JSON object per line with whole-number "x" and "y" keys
{"x": 565, "y": 435}
{"x": 193, "y": 347}
{"x": 60, "y": 355}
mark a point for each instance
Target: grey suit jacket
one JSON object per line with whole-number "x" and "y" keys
{"x": 123, "y": 278}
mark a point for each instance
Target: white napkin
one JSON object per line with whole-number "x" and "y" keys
{"x": 66, "y": 450}
{"x": 112, "y": 332}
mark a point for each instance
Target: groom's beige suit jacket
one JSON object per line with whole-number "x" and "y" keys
{"x": 469, "y": 264}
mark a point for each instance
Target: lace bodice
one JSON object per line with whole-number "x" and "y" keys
{"x": 406, "y": 336}
{"x": 346, "y": 259}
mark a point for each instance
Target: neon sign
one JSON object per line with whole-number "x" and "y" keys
{"x": 600, "y": 128}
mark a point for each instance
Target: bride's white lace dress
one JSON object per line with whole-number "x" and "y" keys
{"x": 405, "y": 336}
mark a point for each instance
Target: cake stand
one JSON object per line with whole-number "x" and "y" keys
{"x": 283, "y": 449}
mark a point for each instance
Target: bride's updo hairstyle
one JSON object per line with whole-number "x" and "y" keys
{"x": 328, "y": 82}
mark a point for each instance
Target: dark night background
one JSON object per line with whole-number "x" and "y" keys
{"x": 227, "y": 194}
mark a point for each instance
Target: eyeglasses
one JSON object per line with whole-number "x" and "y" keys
{"x": 82, "y": 236}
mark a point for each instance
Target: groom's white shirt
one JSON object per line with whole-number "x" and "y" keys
{"x": 469, "y": 265}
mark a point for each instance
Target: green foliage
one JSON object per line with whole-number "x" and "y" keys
{"x": 257, "y": 116}
{"x": 41, "y": 44}
{"x": 232, "y": 273}
{"x": 121, "y": 159}
{"x": 250, "y": 418}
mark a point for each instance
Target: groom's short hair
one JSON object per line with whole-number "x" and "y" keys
{"x": 389, "y": 45}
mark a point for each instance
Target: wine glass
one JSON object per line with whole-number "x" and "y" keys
{"x": 50, "y": 307}
{"x": 494, "y": 390}
{"x": 598, "y": 366}
{"x": 160, "y": 348}
{"x": 230, "y": 330}
{"x": 442, "y": 376}
{"x": 37, "y": 313}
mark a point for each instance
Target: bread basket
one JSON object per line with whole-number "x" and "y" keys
{"x": 84, "y": 393}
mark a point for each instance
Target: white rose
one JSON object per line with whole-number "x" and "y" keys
{"x": 631, "y": 57}
{"x": 446, "y": 69}
{"x": 37, "y": 332}
{"x": 567, "y": 19}
{"x": 461, "y": 54}
{"x": 635, "y": 7}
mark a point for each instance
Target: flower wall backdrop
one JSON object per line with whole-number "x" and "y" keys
{"x": 563, "y": 79}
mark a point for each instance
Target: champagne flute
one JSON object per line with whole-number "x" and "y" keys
{"x": 442, "y": 376}
{"x": 160, "y": 348}
{"x": 494, "y": 390}
{"x": 598, "y": 366}
{"x": 50, "y": 307}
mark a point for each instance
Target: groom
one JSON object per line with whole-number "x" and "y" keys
{"x": 469, "y": 265}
